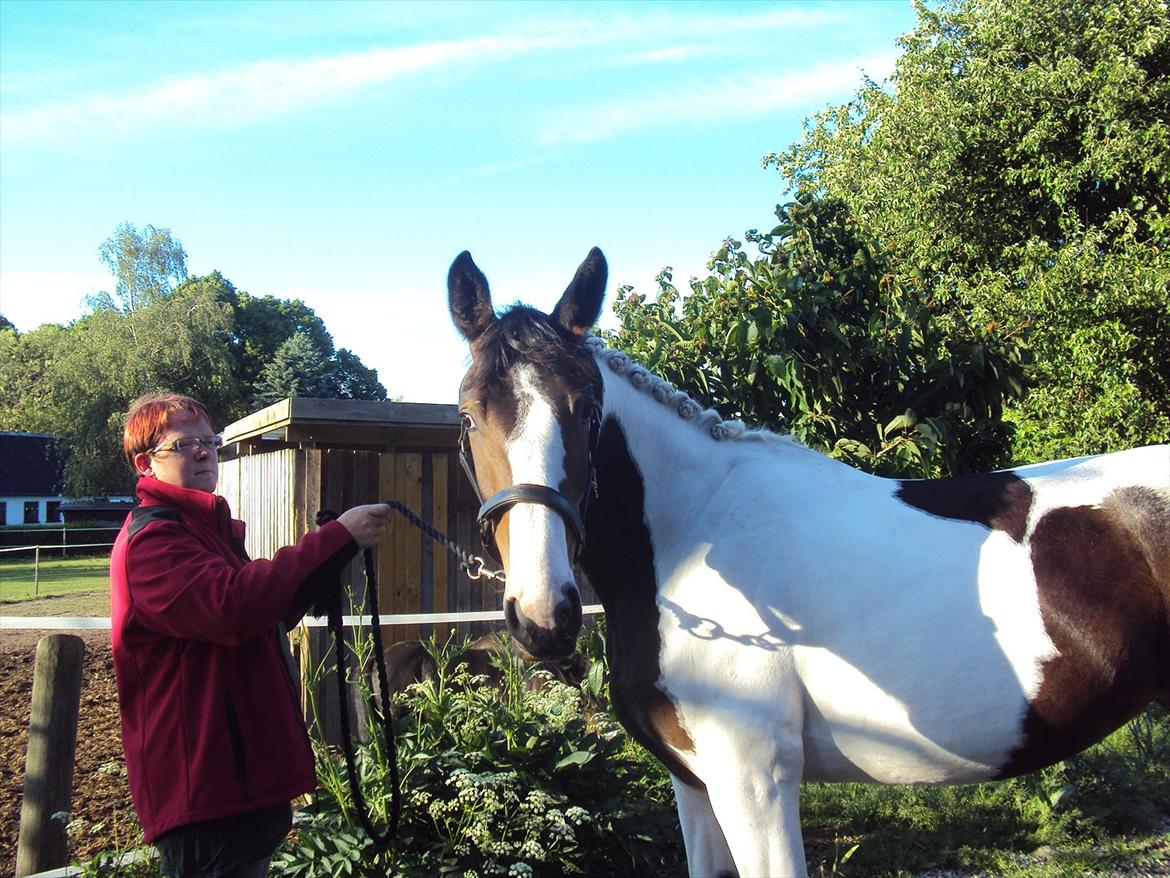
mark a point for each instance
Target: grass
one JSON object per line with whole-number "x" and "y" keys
{"x": 56, "y": 577}
{"x": 1084, "y": 817}
{"x": 82, "y": 603}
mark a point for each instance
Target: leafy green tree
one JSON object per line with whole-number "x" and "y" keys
{"x": 200, "y": 336}
{"x": 146, "y": 264}
{"x": 1018, "y": 164}
{"x": 25, "y": 358}
{"x": 77, "y": 381}
{"x": 350, "y": 378}
{"x": 816, "y": 337}
{"x": 261, "y": 324}
{"x": 5, "y": 323}
{"x": 299, "y": 368}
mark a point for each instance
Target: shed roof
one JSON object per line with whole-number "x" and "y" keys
{"x": 31, "y": 465}
{"x": 347, "y": 423}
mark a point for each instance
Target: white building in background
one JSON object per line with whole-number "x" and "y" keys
{"x": 30, "y": 479}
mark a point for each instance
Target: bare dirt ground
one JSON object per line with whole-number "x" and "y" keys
{"x": 100, "y": 793}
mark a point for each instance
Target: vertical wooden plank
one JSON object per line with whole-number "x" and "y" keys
{"x": 333, "y": 466}
{"x": 406, "y": 571}
{"x": 443, "y": 560}
{"x": 425, "y": 543}
{"x": 300, "y": 478}
{"x": 313, "y": 643}
{"x": 358, "y": 495}
{"x": 388, "y": 551}
{"x": 466, "y": 506}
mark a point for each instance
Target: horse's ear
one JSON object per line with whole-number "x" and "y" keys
{"x": 580, "y": 305}
{"x": 468, "y": 297}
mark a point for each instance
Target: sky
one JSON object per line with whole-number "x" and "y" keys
{"x": 345, "y": 153}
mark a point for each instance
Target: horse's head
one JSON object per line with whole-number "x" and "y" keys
{"x": 530, "y": 406}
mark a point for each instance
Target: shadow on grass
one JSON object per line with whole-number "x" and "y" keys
{"x": 1108, "y": 804}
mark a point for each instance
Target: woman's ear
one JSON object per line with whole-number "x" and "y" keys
{"x": 143, "y": 463}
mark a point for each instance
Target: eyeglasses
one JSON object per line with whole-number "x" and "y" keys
{"x": 191, "y": 444}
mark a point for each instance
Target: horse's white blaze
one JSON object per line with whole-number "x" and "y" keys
{"x": 538, "y": 563}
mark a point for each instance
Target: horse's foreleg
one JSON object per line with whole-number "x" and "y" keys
{"x": 707, "y": 853}
{"x": 755, "y": 795}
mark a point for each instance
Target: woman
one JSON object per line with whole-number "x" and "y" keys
{"x": 215, "y": 743}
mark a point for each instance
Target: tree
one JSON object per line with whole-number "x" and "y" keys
{"x": 5, "y": 323}
{"x": 299, "y": 368}
{"x": 146, "y": 264}
{"x": 261, "y": 325}
{"x": 200, "y": 336}
{"x": 77, "y": 381}
{"x": 1018, "y": 164}
{"x": 350, "y": 378}
{"x": 816, "y": 337}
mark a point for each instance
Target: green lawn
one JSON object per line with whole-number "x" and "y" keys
{"x": 56, "y": 577}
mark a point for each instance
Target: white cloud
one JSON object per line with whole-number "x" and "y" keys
{"x": 743, "y": 97}
{"x": 31, "y": 298}
{"x": 241, "y": 94}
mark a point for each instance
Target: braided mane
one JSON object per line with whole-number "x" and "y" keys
{"x": 663, "y": 392}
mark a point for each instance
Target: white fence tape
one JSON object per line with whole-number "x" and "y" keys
{"x": 52, "y": 547}
{"x": 99, "y": 623}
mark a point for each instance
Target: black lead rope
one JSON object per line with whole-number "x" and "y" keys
{"x": 473, "y": 565}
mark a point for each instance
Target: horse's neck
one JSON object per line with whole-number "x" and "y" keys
{"x": 664, "y": 445}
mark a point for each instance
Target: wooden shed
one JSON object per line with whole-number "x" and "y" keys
{"x": 284, "y": 463}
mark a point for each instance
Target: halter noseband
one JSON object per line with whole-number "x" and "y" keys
{"x": 493, "y": 508}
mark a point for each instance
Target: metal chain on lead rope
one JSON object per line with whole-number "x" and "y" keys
{"x": 473, "y": 566}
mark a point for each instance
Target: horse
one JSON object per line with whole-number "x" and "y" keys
{"x": 774, "y": 615}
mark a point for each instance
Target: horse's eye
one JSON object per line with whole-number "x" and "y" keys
{"x": 468, "y": 421}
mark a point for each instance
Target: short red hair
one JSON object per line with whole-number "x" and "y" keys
{"x": 150, "y": 417}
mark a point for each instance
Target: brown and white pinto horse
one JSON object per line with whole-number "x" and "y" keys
{"x": 774, "y": 615}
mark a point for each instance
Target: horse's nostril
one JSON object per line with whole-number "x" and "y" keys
{"x": 567, "y": 615}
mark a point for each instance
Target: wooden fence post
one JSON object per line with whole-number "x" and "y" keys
{"x": 52, "y": 743}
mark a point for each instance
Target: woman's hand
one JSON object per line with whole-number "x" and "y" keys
{"x": 367, "y": 524}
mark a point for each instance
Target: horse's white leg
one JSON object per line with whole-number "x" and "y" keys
{"x": 755, "y": 795}
{"x": 707, "y": 853}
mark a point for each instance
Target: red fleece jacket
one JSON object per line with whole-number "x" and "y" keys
{"x": 211, "y": 721}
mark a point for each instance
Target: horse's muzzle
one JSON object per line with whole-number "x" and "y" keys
{"x": 547, "y": 643}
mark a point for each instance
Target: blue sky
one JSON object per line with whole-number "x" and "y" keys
{"x": 345, "y": 153}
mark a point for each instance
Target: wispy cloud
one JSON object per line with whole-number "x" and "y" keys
{"x": 747, "y": 96}
{"x": 242, "y": 94}
{"x": 492, "y": 169}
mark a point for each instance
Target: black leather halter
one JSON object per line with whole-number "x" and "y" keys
{"x": 493, "y": 508}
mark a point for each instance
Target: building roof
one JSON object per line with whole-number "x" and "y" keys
{"x": 346, "y": 423}
{"x": 31, "y": 465}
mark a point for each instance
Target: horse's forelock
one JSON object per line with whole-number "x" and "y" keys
{"x": 524, "y": 334}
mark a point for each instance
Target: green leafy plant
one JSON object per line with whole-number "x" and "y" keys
{"x": 126, "y": 854}
{"x": 817, "y": 338}
{"x": 527, "y": 778}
